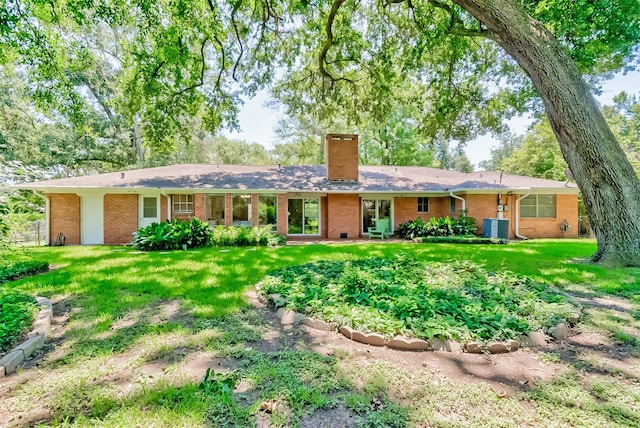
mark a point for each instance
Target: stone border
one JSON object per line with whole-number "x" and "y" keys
{"x": 35, "y": 340}
{"x": 535, "y": 339}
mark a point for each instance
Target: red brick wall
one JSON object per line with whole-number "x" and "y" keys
{"x": 486, "y": 206}
{"x": 120, "y": 218}
{"x": 324, "y": 217}
{"x": 566, "y": 209}
{"x": 199, "y": 206}
{"x": 164, "y": 207}
{"x": 343, "y": 215}
{"x": 342, "y": 157}
{"x": 228, "y": 209}
{"x": 64, "y": 217}
{"x": 254, "y": 209}
{"x": 283, "y": 210}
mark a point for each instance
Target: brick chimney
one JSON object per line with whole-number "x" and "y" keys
{"x": 342, "y": 157}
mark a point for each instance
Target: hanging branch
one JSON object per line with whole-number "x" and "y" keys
{"x": 202, "y": 69}
{"x": 322, "y": 60}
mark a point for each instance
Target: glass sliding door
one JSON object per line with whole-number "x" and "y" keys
{"x": 215, "y": 210}
{"x": 268, "y": 211}
{"x": 374, "y": 210}
{"x": 304, "y": 217}
{"x": 242, "y": 210}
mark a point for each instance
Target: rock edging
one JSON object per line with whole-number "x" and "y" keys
{"x": 535, "y": 339}
{"x": 34, "y": 341}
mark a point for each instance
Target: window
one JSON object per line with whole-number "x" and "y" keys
{"x": 183, "y": 204}
{"x": 423, "y": 205}
{"x": 149, "y": 207}
{"x": 452, "y": 204}
{"x": 242, "y": 210}
{"x": 215, "y": 210}
{"x": 538, "y": 206}
{"x": 268, "y": 210}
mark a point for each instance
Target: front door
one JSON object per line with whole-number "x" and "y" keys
{"x": 149, "y": 210}
{"x": 374, "y": 210}
{"x": 92, "y": 220}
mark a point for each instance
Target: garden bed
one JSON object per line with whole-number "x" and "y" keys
{"x": 460, "y": 240}
{"x": 17, "y": 312}
{"x": 407, "y": 297}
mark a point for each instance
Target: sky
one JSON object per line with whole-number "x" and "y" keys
{"x": 258, "y": 121}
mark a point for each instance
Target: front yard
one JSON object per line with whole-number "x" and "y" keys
{"x": 134, "y": 334}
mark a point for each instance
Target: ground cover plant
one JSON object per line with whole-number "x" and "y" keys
{"x": 403, "y": 296}
{"x": 134, "y": 334}
{"x": 10, "y": 271}
{"x": 17, "y": 311}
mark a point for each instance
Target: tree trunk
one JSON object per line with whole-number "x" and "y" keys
{"x": 608, "y": 183}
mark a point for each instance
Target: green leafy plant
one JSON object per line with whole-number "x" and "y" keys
{"x": 172, "y": 235}
{"x": 217, "y": 383}
{"x": 15, "y": 270}
{"x": 17, "y": 311}
{"x": 402, "y": 295}
{"x": 447, "y": 226}
{"x": 227, "y": 236}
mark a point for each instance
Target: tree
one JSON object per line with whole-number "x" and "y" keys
{"x": 624, "y": 118}
{"x": 538, "y": 155}
{"x": 595, "y": 158}
{"x": 507, "y": 145}
{"x": 198, "y": 58}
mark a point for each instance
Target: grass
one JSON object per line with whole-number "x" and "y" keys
{"x": 137, "y": 325}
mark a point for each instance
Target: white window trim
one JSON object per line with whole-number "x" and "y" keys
{"x": 179, "y": 203}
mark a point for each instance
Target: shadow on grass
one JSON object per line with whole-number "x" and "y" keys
{"x": 116, "y": 301}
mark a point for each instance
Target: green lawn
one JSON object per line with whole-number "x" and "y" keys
{"x": 128, "y": 311}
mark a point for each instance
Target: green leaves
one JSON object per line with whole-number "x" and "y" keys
{"x": 404, "y": 296}
{"x": 17, "y": 311}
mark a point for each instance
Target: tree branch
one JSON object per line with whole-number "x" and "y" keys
{"x": 235, "y": 30}
{"x": 470, "y": 32}
{"x": 202, "y": 69}
{"x": 322, "y": 60}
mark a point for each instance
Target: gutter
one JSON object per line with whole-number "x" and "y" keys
{"x": 464, "y": 202}
{"x": 517, "y": 213}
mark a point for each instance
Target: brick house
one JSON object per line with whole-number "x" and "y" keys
{"x": 338, "y": 200}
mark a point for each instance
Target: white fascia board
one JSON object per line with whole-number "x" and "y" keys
{"x": 522, "y": 191}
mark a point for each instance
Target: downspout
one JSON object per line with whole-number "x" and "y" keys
{"x": 464, "y": 202}
{"x": 47, "y": 213}
{"x": 517, "y": 213}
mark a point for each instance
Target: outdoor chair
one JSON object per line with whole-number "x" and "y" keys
{"x": 381, "y": 230}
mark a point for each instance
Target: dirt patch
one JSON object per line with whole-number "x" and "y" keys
{"x": 507, "y": 374}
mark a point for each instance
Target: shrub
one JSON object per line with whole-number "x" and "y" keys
{"x": 461, "y": 240}
{"x": 10, "y": 272}
{"x": 462, "y": 226}
{"x": 17, "y": 312}
{"x": 172, "y": 235}
{"x": 176, "y": 234}
{"x": 233, "y": 236}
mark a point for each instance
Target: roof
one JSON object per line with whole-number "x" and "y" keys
{"x": 304, "y": 178}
